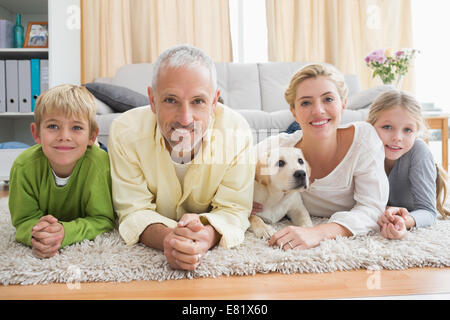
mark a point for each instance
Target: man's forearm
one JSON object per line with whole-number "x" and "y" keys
{"x": 215, "y": 236}
{"x": 153, "y": 236}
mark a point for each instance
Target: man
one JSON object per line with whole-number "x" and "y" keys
{"x": 187, "y": 159}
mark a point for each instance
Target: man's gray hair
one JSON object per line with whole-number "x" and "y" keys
{"x": 186, "y": 56}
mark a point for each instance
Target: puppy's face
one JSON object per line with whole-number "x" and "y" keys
{"x": 283, "y": 168}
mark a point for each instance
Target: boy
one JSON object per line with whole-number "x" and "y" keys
{"x": 60, "y": 188}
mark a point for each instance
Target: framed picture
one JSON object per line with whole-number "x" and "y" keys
{"x": 36, "y": 35}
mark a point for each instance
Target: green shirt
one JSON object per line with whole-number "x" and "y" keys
{"x": 83, "y": 206}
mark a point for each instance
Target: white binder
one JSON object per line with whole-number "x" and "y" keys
{"x": 44, "y": 75}
{"x": 24, "y": 86}
{"x": 2, "y": 87}
{"x": 12, "y": 86}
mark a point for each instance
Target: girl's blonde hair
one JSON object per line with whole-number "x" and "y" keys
{"x": 314, "y": 71}
{"x": 71, "y": 101}
{"x": 396, "y": 98}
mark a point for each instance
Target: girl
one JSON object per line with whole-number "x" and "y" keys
{"x": 415, "y": 181}
{"x": 348, "y": 183}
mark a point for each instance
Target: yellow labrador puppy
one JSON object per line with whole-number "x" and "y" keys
{"x": 281, "y": 174}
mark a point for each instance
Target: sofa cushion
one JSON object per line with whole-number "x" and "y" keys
{"x": 364, "y": 99}
{"x": 103, "y": 108}
{"x": 239, "y": 85}
{"x": 274, "y": 79}
{"x": 104, "y": 122}
{"x": 118, "y": 98}
{"x": 136, "y": 76}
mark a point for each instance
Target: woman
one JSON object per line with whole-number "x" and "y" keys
{"x": 348, "y": 182}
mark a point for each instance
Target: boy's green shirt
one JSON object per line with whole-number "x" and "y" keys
{"x": 83, "y": 206}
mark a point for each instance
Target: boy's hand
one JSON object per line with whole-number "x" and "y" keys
{"x": 47, "y": 236}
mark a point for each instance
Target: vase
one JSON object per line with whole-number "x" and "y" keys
{"x": 396, "y": 83}
{"x": 18, "y": 32}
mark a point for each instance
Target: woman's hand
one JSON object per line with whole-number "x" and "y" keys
{"x": 302, "y": 238}
{"x": 257, "y": 207}
{"x": 293, "y": 237}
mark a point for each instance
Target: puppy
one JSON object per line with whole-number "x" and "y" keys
{"x": 281, "y": 174}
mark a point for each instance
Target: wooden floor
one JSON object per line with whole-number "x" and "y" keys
{"x": 347, "y": 284}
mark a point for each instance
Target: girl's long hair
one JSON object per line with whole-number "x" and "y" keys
{"x": 394, "y": 98}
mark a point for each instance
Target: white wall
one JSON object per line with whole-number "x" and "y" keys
{"x": 64, "y": 31}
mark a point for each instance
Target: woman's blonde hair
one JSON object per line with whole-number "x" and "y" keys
{"x": 313, "y": 71}
{"x": 396, "y": 98}
{"x": 71, "y": 101}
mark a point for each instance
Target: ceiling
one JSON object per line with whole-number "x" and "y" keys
{"x": 25, "y": 6}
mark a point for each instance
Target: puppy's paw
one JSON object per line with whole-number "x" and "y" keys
{"x": 264, "y": 232}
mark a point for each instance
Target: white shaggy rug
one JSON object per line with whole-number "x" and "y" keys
{"x": 108, "y": 258}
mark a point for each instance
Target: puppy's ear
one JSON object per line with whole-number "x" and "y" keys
{"x": 308, "y": 170}
{"x": 263, "y": 179}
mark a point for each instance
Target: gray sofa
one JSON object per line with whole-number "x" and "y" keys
{"x": 256, "y": 90}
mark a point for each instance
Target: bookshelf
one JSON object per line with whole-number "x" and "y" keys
{"x": 23, "y": 53}
{"x": 63, "y": 54}
{"x": 15, "y": 126}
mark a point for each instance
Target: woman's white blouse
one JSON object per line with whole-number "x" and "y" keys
{"x": 356, "y": 192}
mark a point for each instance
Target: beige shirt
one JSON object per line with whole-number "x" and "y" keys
{"x": 218, "y": 184}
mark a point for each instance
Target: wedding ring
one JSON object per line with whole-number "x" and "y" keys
{"x": 199, "y": 256}
{"x": 290, "y": 245}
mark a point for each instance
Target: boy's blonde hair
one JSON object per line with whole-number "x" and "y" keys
{"x": 71, "y": 101}
{"x": 396, "y": 98}
{"x": 314, "y": 71}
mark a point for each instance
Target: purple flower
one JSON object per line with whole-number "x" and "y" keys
{"x": 400, "y": 53}
{"x": 377, "y": 55}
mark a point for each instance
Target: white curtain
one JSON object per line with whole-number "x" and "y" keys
{"x": 119, "y": 32}
{"x": 339, "y": 32}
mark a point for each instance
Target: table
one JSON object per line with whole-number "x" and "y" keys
{"x": 440, "y": 121}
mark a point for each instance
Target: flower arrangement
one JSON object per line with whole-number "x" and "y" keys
{"x": 390, "y": 67}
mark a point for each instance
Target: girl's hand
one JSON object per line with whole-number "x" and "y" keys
{"x": 390, "y": 213}
{"x": 396, "y": 230}
{"x": 293, "y": 237}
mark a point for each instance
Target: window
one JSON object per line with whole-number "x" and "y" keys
{"x": 432, "y": 67}
{"x": 248, "y": 30}
{"x": 430, "y": 24}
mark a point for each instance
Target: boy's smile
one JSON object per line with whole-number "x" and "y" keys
{"x": 64, "y": 141}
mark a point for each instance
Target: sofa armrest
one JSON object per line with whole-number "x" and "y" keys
{"x": 103, "y": 108}
{"x": 105, "y": 80}
{"x": 354, "y": 115}
{"x": 265, "y": 124}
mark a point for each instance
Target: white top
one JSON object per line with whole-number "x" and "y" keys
{"x": 181, "y": 170}
{"x": 356, "y": 192}
{"x": 60, "y": 182}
